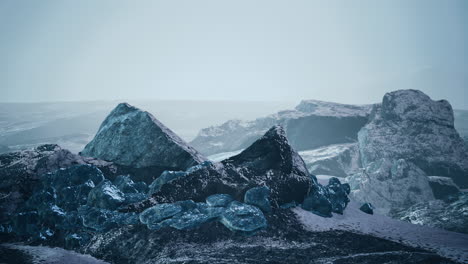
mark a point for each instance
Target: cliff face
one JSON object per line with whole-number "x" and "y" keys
{"x": 312, "y": 124}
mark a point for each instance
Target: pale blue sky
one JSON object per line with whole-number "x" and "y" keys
{"x": 343, "y": 51}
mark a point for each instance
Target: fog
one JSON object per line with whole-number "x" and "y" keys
{"x": 232, "y": 50}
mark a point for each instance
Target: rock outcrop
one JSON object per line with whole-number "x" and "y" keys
{"x": 338, "y": 123}
{"x": 20, "y": 172}
{"x": 447, "y": 214}
{"x": 135, "y": 138}
{"x": 391, "y": 185}
{"x": 409, "y": 125}
{"x": 270, "y": 161}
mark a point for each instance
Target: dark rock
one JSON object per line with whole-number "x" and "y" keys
{"x": 20, "y": 173}
{"x": 132, "y": 137}
{"x": 219, "y": 200}
{"x": 338, "y": 195}
{"x": 323, "y": 200}
{"x": 272, "y": 162}
{"x": 259, "y": 197}
{"x": 102, "y": 220}
{"x": 126, "y": 185}
{"x": 243, "y": 218}
{"x": 367, "y": 208}
{"x": 106, "y": 196}
{"x": 443, "y": 187}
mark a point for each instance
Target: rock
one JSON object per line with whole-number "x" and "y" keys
{"x": 367, "y": 208}
{"x": 21, "y": 171}
{"x": 102, "y": 220}
{"x": 409, "y": 125}
{"x": 325, "y": 200}
{"x": 272, "y": 162}
{"x": 219, "y": 200}
{"x": 337, "y": 193}
{"x": 338, "y": 124}
{"x": 318, "y": 204}
{"x": 126, "y": 185}
{"x": 132, "y": 137}
{"x": 158, "y": 213}
{"x": 106, "y": 196}
{"x": 243, "y": 218}
{"x": 259, "y": 197}
{"x": 447, "y": 214}
{"x": 443, "y": 187}
{"x": 269, "y": 162}
{"x": 168, "y": 176}
{"x": 391, "y": 185}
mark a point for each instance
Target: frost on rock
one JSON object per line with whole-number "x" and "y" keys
{"x": 447, "y": 214}
{"x": 132, "y": 137}
{"x": 106, "y": 196}
{"x": 409, "y": 125}
{"x": 338, "y": 124}
{"x": 390, "y": 185}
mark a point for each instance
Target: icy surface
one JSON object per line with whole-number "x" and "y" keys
{"x": 448, "y": 244}
{"x": 48, "y": 255}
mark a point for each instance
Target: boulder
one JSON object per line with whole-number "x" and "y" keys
{"x": 243, "y": 218}
{"x": 272, "y": 162}
{"x": 409, "y": 125}
{"x": 367, "y": 208}
{"x": 325, "y": 200}
{"x": 106, "y": 196}
{"x": 391, "y": 185}
{"x": 219, "y": 200}
{"x": 443, "y": 187}
{"x": 259, "y": 197}
{"x": 132, "y": 137}
{"x": 102, "y": 220}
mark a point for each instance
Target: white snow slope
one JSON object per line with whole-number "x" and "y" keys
{"x": 448, "y": 244}
{"x": 47, "y": 255}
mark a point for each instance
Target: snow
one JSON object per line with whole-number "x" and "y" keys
{"x": 445, "y": 243}
{"x": 47, "y": 255}
{"x": 224, "y": 155}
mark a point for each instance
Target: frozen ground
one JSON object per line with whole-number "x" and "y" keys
{"x": 47, "y": 255}
{"x": 448, "y": 244}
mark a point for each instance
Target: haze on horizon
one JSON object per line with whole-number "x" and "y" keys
{"x": 239, "y": 50}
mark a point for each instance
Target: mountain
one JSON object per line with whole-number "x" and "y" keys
{"x": 235, "y": 210}
{"x": 132, "y": 137}
{"x": 338, "y": 123}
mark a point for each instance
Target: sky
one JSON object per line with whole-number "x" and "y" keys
{"x": 265, "y": 50}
